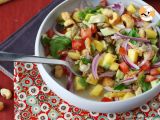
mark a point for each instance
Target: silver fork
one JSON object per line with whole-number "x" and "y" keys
{"x": 6, "y": 56}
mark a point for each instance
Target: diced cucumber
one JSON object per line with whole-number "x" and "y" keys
{"x": 119, "y": 74}
{"x": 155, "y": 83}
{"x": 107, "y": 31}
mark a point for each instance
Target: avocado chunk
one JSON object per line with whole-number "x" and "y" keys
{"x": 119, "y": 74}
{"x": 107, "y": 31}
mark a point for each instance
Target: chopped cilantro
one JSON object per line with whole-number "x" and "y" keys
{"x": 59, "y": 43}
{"x": 120, "y": 87}
{"x": 85, "y": 60}
{"x": 83, "y": 81}
{"x": 141, "y": 81}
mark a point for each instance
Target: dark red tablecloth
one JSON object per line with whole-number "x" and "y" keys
{"x": 12, "y": 16}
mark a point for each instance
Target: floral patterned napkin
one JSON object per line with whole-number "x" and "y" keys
{"x": 34, "y": 101}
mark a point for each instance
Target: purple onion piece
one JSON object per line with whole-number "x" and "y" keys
{"x": 56, "y": 31}
{"x": 107, "y": 74}
{"x": 157, "y": 64}
{"x": 118, "y": 7}
{"x": 125, "y": 44}
{"x": 129, "y": 80}
{"x": 130, "y": 63}
{"x": 133, "y": 38}
{"x": 139, "y": 23}
{"x": 95, "y": 66}
{"x": 69, "y": 81}
{"x": 158, "y": 30}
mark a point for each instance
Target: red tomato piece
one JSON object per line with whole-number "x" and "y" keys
{"x": 146, "y": 66}
{"x": 154, "y": 72}
{"x": 106, "y": 99}
{"x": 124, "y": 67}
{"x": 78, "y": 45}
{"x": 63, "y": 54}
{"x": 150, "y": 78}
{"x": 93, "y": 29}
{"x": 50, "y": 33}
{"x": 122, "y": 51}
{"x": 86, "y": 33}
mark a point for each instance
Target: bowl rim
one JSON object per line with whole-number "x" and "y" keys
{"x": 42, "y": 69}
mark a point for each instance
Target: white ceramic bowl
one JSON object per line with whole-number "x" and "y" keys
{"x": 45, "y": 70}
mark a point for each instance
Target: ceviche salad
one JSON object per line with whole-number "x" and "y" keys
{"x": 116, "y": 52}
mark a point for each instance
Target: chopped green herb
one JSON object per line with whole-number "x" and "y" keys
{"x": 58, "y": 44}
{"x": 141, "y": 81}
{"x": 154, "y": 41}
{"x": 155, "y": 59}
{"x": 85, "y": 60}
{"x": 81, "y": 15}
{"x": 83, "y": 81}
{"x": 92, "y": 10}
{"x": 93, "y": 48}
{"x": 133, "y": 42}
{"x": 106, "y": 67}
{"x": 120, "y": 87}
{"x": 124, "y": 32}
{"x": 133, "y": 33}
{"x": 45, "y": 40}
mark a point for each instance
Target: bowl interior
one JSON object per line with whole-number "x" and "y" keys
{"x": 70, "y": 5}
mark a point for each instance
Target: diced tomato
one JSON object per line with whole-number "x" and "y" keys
{"x": 47, "y": 51}
{"x": 86, "y": 33}
{"x": 124, "y": 67}
{"x": 78, "y": 45}
{"x": 93, "y": 29}
{"x": 63, "y": 54}
{"x": 106, "y": 99}
{"x": 65, "y": 70}
{"x": 150, "y": 78}
{"x": 122, "y": 51}
{"x": 50, "y": 33}
{"x": 146, "y": 66}
{"x": 154, "y": 72}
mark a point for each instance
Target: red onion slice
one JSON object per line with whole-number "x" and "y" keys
{"x": 95, "y": 63}
{"x": 69, "y": 81}
{"x": 125, "y": 44}
{"x": 148, "y": 57}
{"x": 118, "y": 7}
{"x": 125, "y": 57}
{"x": 56, "y": 32}
{"x": 107, "y": 74}
{"x": 129, "y": 80}
{"x": 130, "y": 63}
{"x": 133, "y": 38}
{"x": 158, "y": 30}
{"x": 156, "y": 65}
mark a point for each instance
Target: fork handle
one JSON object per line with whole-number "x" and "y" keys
{"x": 6, "y": 56}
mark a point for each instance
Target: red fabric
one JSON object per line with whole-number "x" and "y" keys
{"x": 12, "y": 16}
{"x": 17, "y": 12}
{"x": 7, "y": 113}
